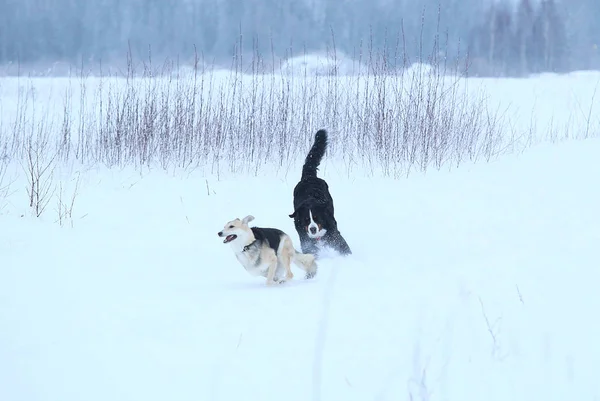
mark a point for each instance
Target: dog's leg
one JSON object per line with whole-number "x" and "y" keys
{"x": 286, "y": 261}
{"x": 337, "y": 242}
{"x": 271, "y": 272}
{"x": 271, "y": 259}
{"x": 311, "y": 271}
{"x": 287, "y": 252}
{"x": 306, "y": 262}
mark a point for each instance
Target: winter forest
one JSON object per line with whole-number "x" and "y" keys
{"x": 490, "y": 38}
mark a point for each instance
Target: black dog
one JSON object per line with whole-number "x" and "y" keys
{"x": 313, "y": 205}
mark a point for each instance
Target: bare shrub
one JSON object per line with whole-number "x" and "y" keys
{"x": 65, "y": 204}
{"x": 39, "y": 169}
{"x": 385, "y": 118}
{"x": 592, "y": 128}
{"x": 5, "y": 183}
{"x": 387, "y": 114}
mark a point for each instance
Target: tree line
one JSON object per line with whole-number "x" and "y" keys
{"x": 500, "y": 39}
{"x": 535, "y": 37}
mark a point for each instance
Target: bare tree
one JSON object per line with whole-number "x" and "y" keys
{"x": 524, "y": 25}
{"x": 549, "y": 39}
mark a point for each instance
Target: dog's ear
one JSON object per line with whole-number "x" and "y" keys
{"x": 247, "y": 219}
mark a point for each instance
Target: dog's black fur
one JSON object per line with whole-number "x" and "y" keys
{"x": 312, "y": 194}
{"x": 271, "y": 235}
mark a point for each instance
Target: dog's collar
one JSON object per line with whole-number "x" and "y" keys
{"x": 247, "y": 247}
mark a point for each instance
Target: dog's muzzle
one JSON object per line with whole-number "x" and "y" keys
{"x": 228, "y": 238}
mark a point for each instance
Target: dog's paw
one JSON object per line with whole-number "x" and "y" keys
{"x": 310, "y": 275}
{"x": 276, "y": 282}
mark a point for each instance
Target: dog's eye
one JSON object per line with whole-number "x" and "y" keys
{"x": 230, "y": 226}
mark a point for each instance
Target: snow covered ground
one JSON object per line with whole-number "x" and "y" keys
{"x": 475, "y": 284}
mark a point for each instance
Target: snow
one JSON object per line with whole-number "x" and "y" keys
{"x": 320, "y": 64}
{"x": 472, "y": 284}
{"x": 466, "y": 285}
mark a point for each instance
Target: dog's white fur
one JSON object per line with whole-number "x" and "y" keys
{"x": 262, "y": 260}
{"x": 319, "y": 232}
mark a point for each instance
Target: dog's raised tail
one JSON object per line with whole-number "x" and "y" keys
{"x": 316, "y": 153}
{"x": 306, "y": 262}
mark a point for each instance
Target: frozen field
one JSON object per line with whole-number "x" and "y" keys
{"x": 470, "y": 284}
